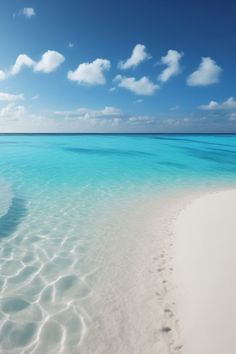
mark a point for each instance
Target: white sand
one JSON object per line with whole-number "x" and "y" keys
{"x": 205, "y": 270}
{"x": 134, "y": 312}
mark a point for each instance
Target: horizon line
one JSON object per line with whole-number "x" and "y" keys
{"x": 118, "y": 133}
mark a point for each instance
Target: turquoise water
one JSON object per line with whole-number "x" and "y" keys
{"x": 58, "y": 193}
{"x": 104, "y": 161}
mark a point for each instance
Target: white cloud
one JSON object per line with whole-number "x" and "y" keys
{"x": 180, "y": 121}
{"x": 142, "y": 86}
{"x": 208, "y": 73}
{"x": 27, "y": 12}
{"x": 3, "y": 75}
{"x": 17, "y": 118}
{"x": 21, "y": 61}
{"x": 141, "y": 120}
{"x": 212, "y": 105}
{"x": 229, "y": 104}
{"x": 90, "y": 73}
{"x": 49, "y": 62}
{"x": 110, "y": 111}
{"x": 138, "y": 55}
{"x": 86, "y": 118}
{"x": 108, "y": 118}
{"x": 87, "y": 113}
{"x": 12, "y": 112}
{"x": 172, "y": 60}
{"x": 7, "y": 97}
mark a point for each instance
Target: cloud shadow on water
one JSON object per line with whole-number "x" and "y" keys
{"x": 190, "y": 140}
{"x": 172, "y": 164}
{"x": 108, "y": 152}
{"x": 220, "y": 156}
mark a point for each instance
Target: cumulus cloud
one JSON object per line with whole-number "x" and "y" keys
{"x": 138, "y": 55}
{"x": 15, "y": 118}
{"x": 7, "y": 97}
{"x": 87, "y": 119}
{"x": 108, "y": 118}
{"x": 182, "y": 121}
{"x": 90, "y": 114}
{"x": 141, "y": 120}
{"x": 49, "y": 62}
{"x": 12, "y": 112}
{"x": 141, "y": 86}
{"x": 229, "y": 104}
{"x": 21, "y": 61}
{"x": 27, "y": 12}
{"x": 90, "y": 73}
{"x": 208, "y": 73}
{"x": 221, "y": 112}
{"x": 3, "y": 75}
{"x": 171, "y": 60}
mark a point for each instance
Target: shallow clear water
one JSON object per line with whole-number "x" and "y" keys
{"x": 58, "y": 195}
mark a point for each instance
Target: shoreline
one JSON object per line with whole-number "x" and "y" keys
{"x": 127, "y": 301}
{"x": 138, "y": 310}
{"x": 204, "y": 272}
{"x": 135, "y": 311}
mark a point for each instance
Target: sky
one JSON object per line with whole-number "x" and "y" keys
{"x": 117, "y": 66}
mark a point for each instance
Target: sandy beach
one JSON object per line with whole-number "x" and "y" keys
{"x": 204, "y": 271}
{"x": 127, "y": 250}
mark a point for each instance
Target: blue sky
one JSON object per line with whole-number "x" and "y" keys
{"x": 117, "y": 66}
